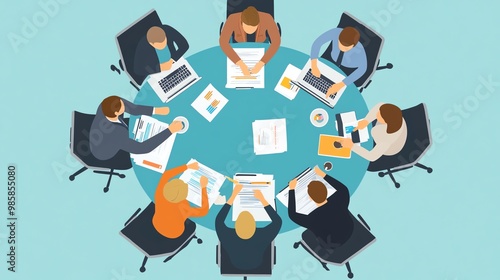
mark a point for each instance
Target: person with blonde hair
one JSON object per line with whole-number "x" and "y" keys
{"x": 246, "y": 244}
{"x": 171, "y": 207}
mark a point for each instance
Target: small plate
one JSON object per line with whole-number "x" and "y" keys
{"x": 319, "y": 117}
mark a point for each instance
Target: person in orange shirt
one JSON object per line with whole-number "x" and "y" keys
{"x": 171, "y": 207}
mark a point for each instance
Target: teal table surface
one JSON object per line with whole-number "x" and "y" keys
{"x": 226, "y": 144}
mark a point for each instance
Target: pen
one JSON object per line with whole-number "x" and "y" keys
{"x": 251, "y": 183}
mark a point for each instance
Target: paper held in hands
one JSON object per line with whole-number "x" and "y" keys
{"x": 346, "y": 122}
{"x": 285, "y": 86}
{"x": 269, "y": 136}
{"x": 235, "y": 77}
{"x": 246, "y": 201}
{"x": 304, "y": 204}
{"x": 144, "y": 128}
{"x": 192, "y": 178}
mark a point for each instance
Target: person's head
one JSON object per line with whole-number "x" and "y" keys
{"x": 175, "y": 191}
{"x": 392, "y": 116}
{"x": 250, "y": 20}
{"x": 317, "y": 192}
{"x": 245, "y": 225}
{"x": 348, "y": 38}
{"x": 157, "y": 38}
{"x": 112, "y": 106}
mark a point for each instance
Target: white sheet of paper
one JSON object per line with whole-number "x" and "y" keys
{"x": 284, "y": 86}
{"x": 235, "y": 77}
{"x": 144, "y": 128}
{"x": 209, "y": 103}
{"x": 192, "y": 178}
{"x": 304, "y": 204}
{"x": 269, "y": 136}
{"x": 349, "y": 119}
{"x": 246, "y": 201}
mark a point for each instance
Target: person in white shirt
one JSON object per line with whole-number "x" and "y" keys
{"x": 389, "y": 133}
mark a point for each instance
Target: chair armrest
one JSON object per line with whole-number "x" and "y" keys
{"x": 217, "y": 255}
{"x": 274, "y": 255}
{"x": 279, "y": 27}
{"x": 133, "y": 216}
{"x": 364, "y": 222}
{"x": 220, "y": 29}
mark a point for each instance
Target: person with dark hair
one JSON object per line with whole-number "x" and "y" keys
{"x": 109, "y": 131}
{"x": 331, "y": 222}
{"x": 250, "y": 26}
{"x": 346, "y": 52}
{"x": 389, "y": 133}
{"x": 158, "y": 50}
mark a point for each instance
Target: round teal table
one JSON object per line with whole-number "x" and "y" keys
{"x": 226, "y": 144}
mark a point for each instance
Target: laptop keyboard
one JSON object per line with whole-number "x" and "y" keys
{"x": 174, "y": 78}
{"x": 322, "y": 83}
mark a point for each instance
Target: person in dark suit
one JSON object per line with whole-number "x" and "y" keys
{"x": 245, "y": 244}
{"x": 331, "y": 222}
{"x": 109, "y": 131}
{"x": 156, "y": 51}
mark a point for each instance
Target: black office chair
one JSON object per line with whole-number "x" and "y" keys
{"x": 139, "y": 231}
{"x": 372, "y": 43}
{"x": 360, "y": 239}
{"x": 233, "y": 7}
{"x": 418, "y": 142}
{"x": 127, "y": 41}
{"x": 80, "y": 149}
{"x": 228, "y": 269}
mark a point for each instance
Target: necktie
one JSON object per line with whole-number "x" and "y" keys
{"x": 339, "y": 58}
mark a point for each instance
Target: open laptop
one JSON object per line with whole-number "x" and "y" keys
{"x": 318, "y": 87}
{"x": 169, "y": 84}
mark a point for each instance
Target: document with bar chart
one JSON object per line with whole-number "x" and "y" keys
{"x": 209, "y": 103}
{"x": 269, "y": 136}
{"x": 146, "y": 127}
{"x": 192, "y": 178}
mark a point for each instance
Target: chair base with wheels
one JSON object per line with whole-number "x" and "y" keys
{"x": 140, "y": 232}
{"x": 360, "y": 239}
{"x": 392, "y": 171}
{"x": 111, "y": 173}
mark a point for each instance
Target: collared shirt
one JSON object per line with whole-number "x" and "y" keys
{"x": 163, "y": 55}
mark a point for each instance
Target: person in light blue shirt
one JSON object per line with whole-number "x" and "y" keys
{"x": 346, "y": 52}
{"x": 163, "y": 55}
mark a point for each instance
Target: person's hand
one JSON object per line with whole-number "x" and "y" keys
{"x": 361, "y": 125}
{"x": 347, "y": 143}
{"x": 319, "y": 172}
{"x": 334, "y": 89}
{"x": 257, "y": 67}
{"x": 315, "y": 70}
{"x": 165, "y": 66}
{"x": 258, "y": 194}
{"x": 203, "y": 182}
{"x": 193, "y": 165}
{"x": 175, "y": 126}
{"x": 161, "y": 111}
{"x": 237, "y": 189}
{"x": 292, "y": 184}
{"x": 243, "y": 67}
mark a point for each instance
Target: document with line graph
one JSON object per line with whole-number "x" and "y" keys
{"x": 192, "y": 178}
{"x": 209, "y": 103}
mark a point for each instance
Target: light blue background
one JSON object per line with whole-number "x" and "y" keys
{"x": 439, "y": 226}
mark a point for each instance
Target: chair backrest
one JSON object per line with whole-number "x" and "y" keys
{"x": 372, "y": 43}
{"x": 79, "y": 138}
{"x": 237, "y": 6}
{"x": 128, "y": 39}
{"x": 418, "y": 139}
{"x": 228, "y": 269}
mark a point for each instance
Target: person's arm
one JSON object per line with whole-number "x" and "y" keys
{"x": 328, "y": 36}
{"x": 134, "y": 147}
{"x": 167, "y": 175}
{"x": 274, "y": 227}
{"x": 203, "y": 210}
{"x": 274, "y": 35}
{"x": 136, "y": 110}
{"x": 220, "y": 226}
{"x": 145, "y": 59}
{"x": 372, "y": 155}
{"x": 299, "y": 219}
{"x": 182, "y": 44}
{"x": 360, "y": 70}
{"x": 225, "y": 37}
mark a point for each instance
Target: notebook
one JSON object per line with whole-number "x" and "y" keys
{"x": 326, "y": 147}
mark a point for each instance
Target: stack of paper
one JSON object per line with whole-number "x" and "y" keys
{"x": 144, "y": 128}
{"x": 285, "y": 86}
{"x": 303, "y": 203}
{"x": 209, "y": 103}
{"x": 192, "y": 178}
{"x": 348, "y": 122}
{"x": 269, "y": 136}
{"x": 235, "y": 77}
{"x": 246, "y": 201}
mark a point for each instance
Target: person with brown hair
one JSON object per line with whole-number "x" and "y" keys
{"x": 157, "y": 50}
{"x": 109, "y": 132}
{"x": 389, "y": 134}
{"x": 346, "y": 52}
{"x": 331, "y": 222}
{"x": 250, "y": 26}
{"x": 246, "y": 244}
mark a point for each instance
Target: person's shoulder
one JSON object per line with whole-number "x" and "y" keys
{"x": 233, "y": 17}
{"x": 265, "y": 16}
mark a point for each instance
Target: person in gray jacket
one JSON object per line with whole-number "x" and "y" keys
{"x": 109, "y": 133}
